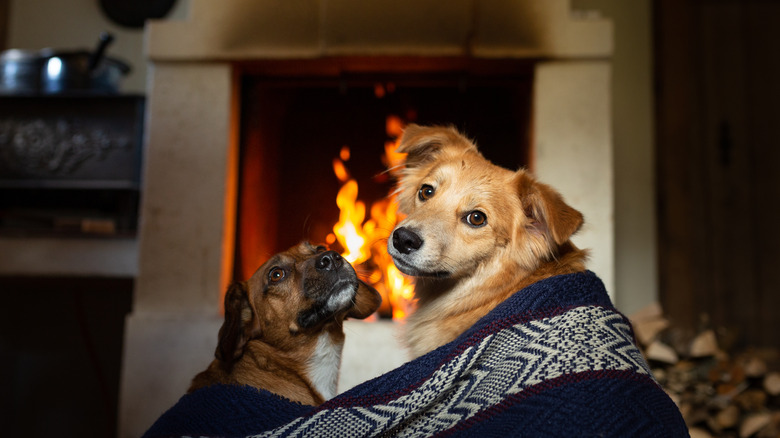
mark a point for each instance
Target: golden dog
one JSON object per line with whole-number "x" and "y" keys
{"x": 475, "y": 233}
{"x": 283, "y": 329}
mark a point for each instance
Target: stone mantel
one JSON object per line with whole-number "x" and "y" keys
{"x": 249, "y": 29}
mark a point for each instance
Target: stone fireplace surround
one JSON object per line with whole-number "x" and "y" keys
{"x": 189, "y": 193}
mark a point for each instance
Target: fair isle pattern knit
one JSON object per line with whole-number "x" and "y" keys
{"x": 502, "y": 364}
{"x": 556, "y": 359}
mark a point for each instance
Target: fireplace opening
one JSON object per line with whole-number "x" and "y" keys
{"x": 293, "y": 125}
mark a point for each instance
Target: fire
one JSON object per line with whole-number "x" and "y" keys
{"x": 365, "y": 243}
{"x": 348, "y": 229}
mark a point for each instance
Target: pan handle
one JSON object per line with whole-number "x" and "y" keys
{"x": 97, "y": 56}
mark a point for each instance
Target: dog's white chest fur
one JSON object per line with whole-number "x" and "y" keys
{"x": 324, "y": 366}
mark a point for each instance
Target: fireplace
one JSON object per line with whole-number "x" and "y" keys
{"x": 244, "y": 77}
{"x": 293, "y": 127}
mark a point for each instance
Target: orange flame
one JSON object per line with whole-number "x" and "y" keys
{"x": 348, "y": 229}
{"x": 365, "y": 244}
{"x": 340, "y": 170}
{"x": 344, "y": 153}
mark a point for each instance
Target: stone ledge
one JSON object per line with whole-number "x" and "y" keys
{"x": 250, "y": 29}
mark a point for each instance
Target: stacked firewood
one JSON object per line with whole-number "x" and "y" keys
{"x": 722, "y": 390}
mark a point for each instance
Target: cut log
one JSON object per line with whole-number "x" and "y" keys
{"x": 753, "y": 423}
{"x": 661, "y": 352}
{"x": 649, "y": 312}
{"x": 751, "y": 400}
{"x": 772, "y": 430}
{"x": 698, "y": 432}
{"x": 754, "y": 366}
{"x": 704, "y": 345}
{"x": 772, "y": 383}
{"x": 647, "y": 331}
{"x": 648, "y": 322}
{"x": 728, "y": 417}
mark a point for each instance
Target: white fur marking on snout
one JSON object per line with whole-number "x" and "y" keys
{"x": 340, "y": 299}
{"x": 324, "y": 366}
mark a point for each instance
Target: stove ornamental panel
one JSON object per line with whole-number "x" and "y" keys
{"x": 74, "y": 142}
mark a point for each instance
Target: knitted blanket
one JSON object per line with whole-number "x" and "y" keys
{"x": 554, "y": 360}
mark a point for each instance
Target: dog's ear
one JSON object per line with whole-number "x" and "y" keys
{"x": 550, "y": 215}
{"x": 367, "y": 300}
{"x": 424, "y": 143}
{"x": 239, "y": 324}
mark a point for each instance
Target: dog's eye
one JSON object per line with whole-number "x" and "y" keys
{"x": 320, "y": 249}
{"x": 426, "y": 192}
{"x": 276, "y": 275}
{"x": 476, "y": 219}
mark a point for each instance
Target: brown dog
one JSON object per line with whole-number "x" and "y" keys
{"x": 475, "y": 233}
{"x": 283, "y": 329}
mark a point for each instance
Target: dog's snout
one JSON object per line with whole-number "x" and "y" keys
{"x": 406, "y": 241}
{"x": 329, "y": 261}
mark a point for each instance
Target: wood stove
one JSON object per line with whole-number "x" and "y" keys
{"x": 70, "y": 165}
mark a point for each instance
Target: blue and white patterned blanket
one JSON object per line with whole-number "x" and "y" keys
{"x": 554, "y": 360}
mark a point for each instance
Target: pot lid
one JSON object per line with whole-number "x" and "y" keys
{"x": 19, "y": 55}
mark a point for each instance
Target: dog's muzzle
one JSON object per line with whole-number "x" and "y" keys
{"x": 332, "y": 289}
{"x": 406, "y": 241}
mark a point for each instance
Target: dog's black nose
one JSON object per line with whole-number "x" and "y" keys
{"x": 406, "y": 241}
{"x": 329, "y": 261}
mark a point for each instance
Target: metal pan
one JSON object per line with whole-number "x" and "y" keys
{"x": 73, "y": 71}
